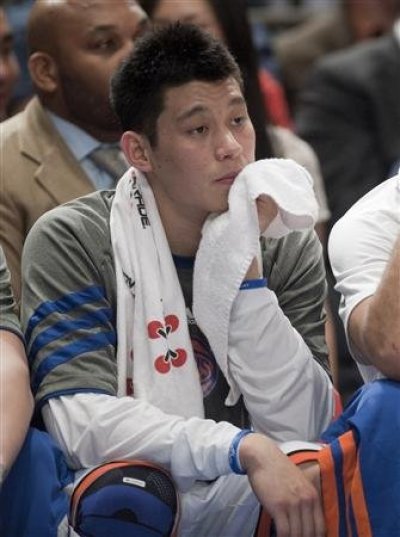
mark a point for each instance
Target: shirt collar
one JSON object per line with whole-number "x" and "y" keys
{"x": 79, "y": 141}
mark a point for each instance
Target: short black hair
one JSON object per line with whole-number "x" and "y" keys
{"x": 166, "y": 57}
{"x": 233, "y": 21}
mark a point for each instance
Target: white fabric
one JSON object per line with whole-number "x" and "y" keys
{"x": 226, "y": 507}
{"x": 96, "y": 428}
{"x": 286, "y": 392}
{"x": 286, "y": 144}
{"x": 360, "y": 245}
{"x": 154, "y": 347}
{"x": 92, "y": 428}
{"x": 396, "y": 30}
{"x": 231, "y": 241}
{"x": 295, "y": 446}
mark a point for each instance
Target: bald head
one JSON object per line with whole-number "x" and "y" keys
{"x": 47, "y": 19}
{"x": 75, "y": 47}
{"x": 44, "y": 19}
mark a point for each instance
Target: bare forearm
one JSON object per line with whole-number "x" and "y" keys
{"x": 374, "y": 324}
{"x": 16, "y": 402}
{"x": 288, "y": 496}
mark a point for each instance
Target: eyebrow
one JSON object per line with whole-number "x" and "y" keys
{"x": 199, "y": 108}
{"x": 106, "y": 28}
{"x": 101, "y": 29}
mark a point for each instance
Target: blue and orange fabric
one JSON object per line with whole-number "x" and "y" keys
{"x": 125, "y": 498}
{"x": 360, "y": 467}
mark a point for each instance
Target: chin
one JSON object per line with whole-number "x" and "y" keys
{"x": 221, "y": 207}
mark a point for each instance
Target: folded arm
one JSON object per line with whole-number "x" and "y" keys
{"x": 373, "y": 326}
{"x": 287, "y": 393}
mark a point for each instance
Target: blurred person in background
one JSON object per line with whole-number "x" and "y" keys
{"x": 337, "y": 26}
{"x": 59, "y": 147}
{"x": 349, "y": 112}
{"x": 9, "y": 68}
{"x": 17, "y": 12}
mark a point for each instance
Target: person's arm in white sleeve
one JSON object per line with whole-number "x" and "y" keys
{"x": 95, "y": 428}
{"x": 374, "y": 324}
{"x": 287, "y": 393}
{"x": 108, "y": 428}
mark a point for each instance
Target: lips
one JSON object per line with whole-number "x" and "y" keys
{"x": 228, "y": 179}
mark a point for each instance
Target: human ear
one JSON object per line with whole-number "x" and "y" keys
{"x": 136, "y": 149}
{"x": 43, "y": 71}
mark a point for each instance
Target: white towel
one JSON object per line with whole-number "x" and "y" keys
{"x": 231, "y": 241}
{"x": 154, "y": 347}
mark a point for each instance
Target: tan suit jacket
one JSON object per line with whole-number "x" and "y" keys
{"x": 37, "y": 172}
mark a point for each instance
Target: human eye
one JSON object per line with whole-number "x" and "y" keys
{"x": 105, "y": 45}
{"x": 198, "y": 131}
{"x": 238, "y": 121}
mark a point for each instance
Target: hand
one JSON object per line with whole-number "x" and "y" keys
{"x": 282, "y": 489}
{"x": 267, "y": 210}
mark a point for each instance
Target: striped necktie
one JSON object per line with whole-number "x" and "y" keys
{"x": 110, "y": 159}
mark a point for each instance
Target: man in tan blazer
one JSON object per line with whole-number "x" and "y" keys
{"x": 45, "y": 151}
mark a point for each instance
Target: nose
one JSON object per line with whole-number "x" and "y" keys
{"x": 227, "y": 146}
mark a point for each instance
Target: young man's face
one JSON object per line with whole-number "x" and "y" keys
{"x": 204, "y": 139}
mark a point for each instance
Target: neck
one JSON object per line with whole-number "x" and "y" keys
{"x": 183, "y": 231}
{"x": 183, "y": 237}
{"x": 182, "y": 225}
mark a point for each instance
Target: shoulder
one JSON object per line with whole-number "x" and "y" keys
{"x": 13, "y": 125}
{"x": 10, "y": 129}
{"x": 297, "y": 253}
{"x": 288, "y": 145}
{"x": 69, "y": 250}
{"x": 358, "y": 62}
{"x": 370, "y": 225}
{"x": 318, "y": 35}
{"x": 25, "y": 138}
{"x": 84, "y": 220}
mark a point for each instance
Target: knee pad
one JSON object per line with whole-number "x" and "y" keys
{"x": 118, "y": 499}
